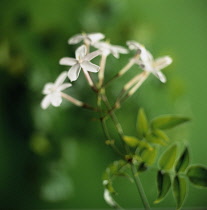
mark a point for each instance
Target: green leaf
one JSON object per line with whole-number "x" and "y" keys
{"x": 131, "y": 141}
{"x": 168, "y": 158}
{"x": 142, "y": 124}
{"x": 179, "y": 190}
{"x": 157, "y": 137}
{"x": 168, "y": 121}
{"x": 163, "y": 185}
{"x": 183, "y": 161}
{"x": 149, "y": 155}
{"x": 198, "y": 175}
{"x": 114, "y": 169}
{"x": 161, "y": 134}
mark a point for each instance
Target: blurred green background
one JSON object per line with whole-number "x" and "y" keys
{"x": 55, "y": 158}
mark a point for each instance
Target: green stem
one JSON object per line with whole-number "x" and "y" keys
{"x": 140, "y": 188}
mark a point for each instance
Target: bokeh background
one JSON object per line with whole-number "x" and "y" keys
{"x": 55, "y": 158}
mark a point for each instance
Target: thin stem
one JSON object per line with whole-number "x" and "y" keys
{"x": 121, "y": 72}
{"x": 102, "y": 69}
{"x": 90, "y": 81}
{"x": 126, "y": 94}
{"x": 140, "y": 188}
{"x": 105, "y": 129}
{"x": 77, "y": 102}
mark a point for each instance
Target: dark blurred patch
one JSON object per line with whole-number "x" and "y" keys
{"x": 22, "y": 20}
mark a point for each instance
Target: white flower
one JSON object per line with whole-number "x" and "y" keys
{"x": 53, "y": 91}
{"x": 107, "y": 49}
{"x": 107, "y": 196}
{"x": 82, "y": 60}
{"x": 148, "y": 63}
{"x": 86, "y": 38}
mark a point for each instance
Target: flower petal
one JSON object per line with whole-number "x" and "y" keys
{"x": 92, "y": 55}
{"x": 56, "y": 99}
{"x": 161, "y": 63}
{"x": 67, "y": 61}
{"x": 119, "y": 49}
{"x": 48, "y": 88}
{"x": 95, "y": 37}
{"x": 80, "y": 53}
{"x": 108, "y": 198}
{"x": 46, "y": 101}
{"x": 88, "y": 66}
{"x": 74, "y": 72}
{"x": 160, "y": 76}
{"x": 134, "y": 45}
{"x": 75, "y": 39}
{"x": 59, "y": 81}
{"x": 64, "y": 86}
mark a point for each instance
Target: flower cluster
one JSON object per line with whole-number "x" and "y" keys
{"x": 82, "y": 61}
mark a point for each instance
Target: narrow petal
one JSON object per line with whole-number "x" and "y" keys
{"x": 88, "y": 66}
{"x": 74, "y": 72}
{"x": 115, "y": 50}
{"x": 56, "y": 99}
{"x": 95, "y": 37}
{"x": 75, "y": 39}
{"x": 101, "y": 45}
{"x": 92, "y": 55}
{"x": 59, "y": 81}
{"x": 64, "y": 86}
{"x": 80, "y": 53}
{"x": 134, "y": 45}
{"x": 146, "y": 56}
{"x": 120, "y": 49}
{"x": 160, "y": 76}
{"x": 108, "y": 198}
{"x": 48, "y": 88}
{"x": 46, "y": 101}
{"x": 67, "y": 61}
{"x": 161, "y": 63}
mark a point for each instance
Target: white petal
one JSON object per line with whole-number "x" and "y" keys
{"x": 134, "y": 45}
{"x": 48, "y": 88}
{"x": 80, "y": 53}
{"x": 67, "y": 61}
{"x": 120, "y": 49}
{"x": 75, "y": 39}
{"x": 146, "y": 56}
{"x": 88, "y": 66}
{"x": 46, "y": 101}
{"x": 59, "y": 81}
{"x": 56, "y": 99}
{"x": 109, "y": 200}
{"x": 64, "y": 86}
{"x": 101, "y": 45}
{"x": 74, "y": 72}
{"x": 161, "y": 63}
{"x": 95, "y": 37}
{"x": 92, "y": 55}
{"x": 160, "y": 76}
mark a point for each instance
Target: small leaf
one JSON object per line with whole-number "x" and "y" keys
{"x": 168, "y": 158}
{"x": 168, "y": 121}
{"x": 179, "y": 190}
{"x": 114, "y": 169}
{"x": 198, "y": 175}
{"x": 163, "y": 185}
{"x": 153, "y": 138}
{"x": 142, "y": 124}
{"x": 148, "y": 156}
{"x": 131, "y": 141}
{"x": 183, "y": 161}
{"x": 161, "y": 134}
